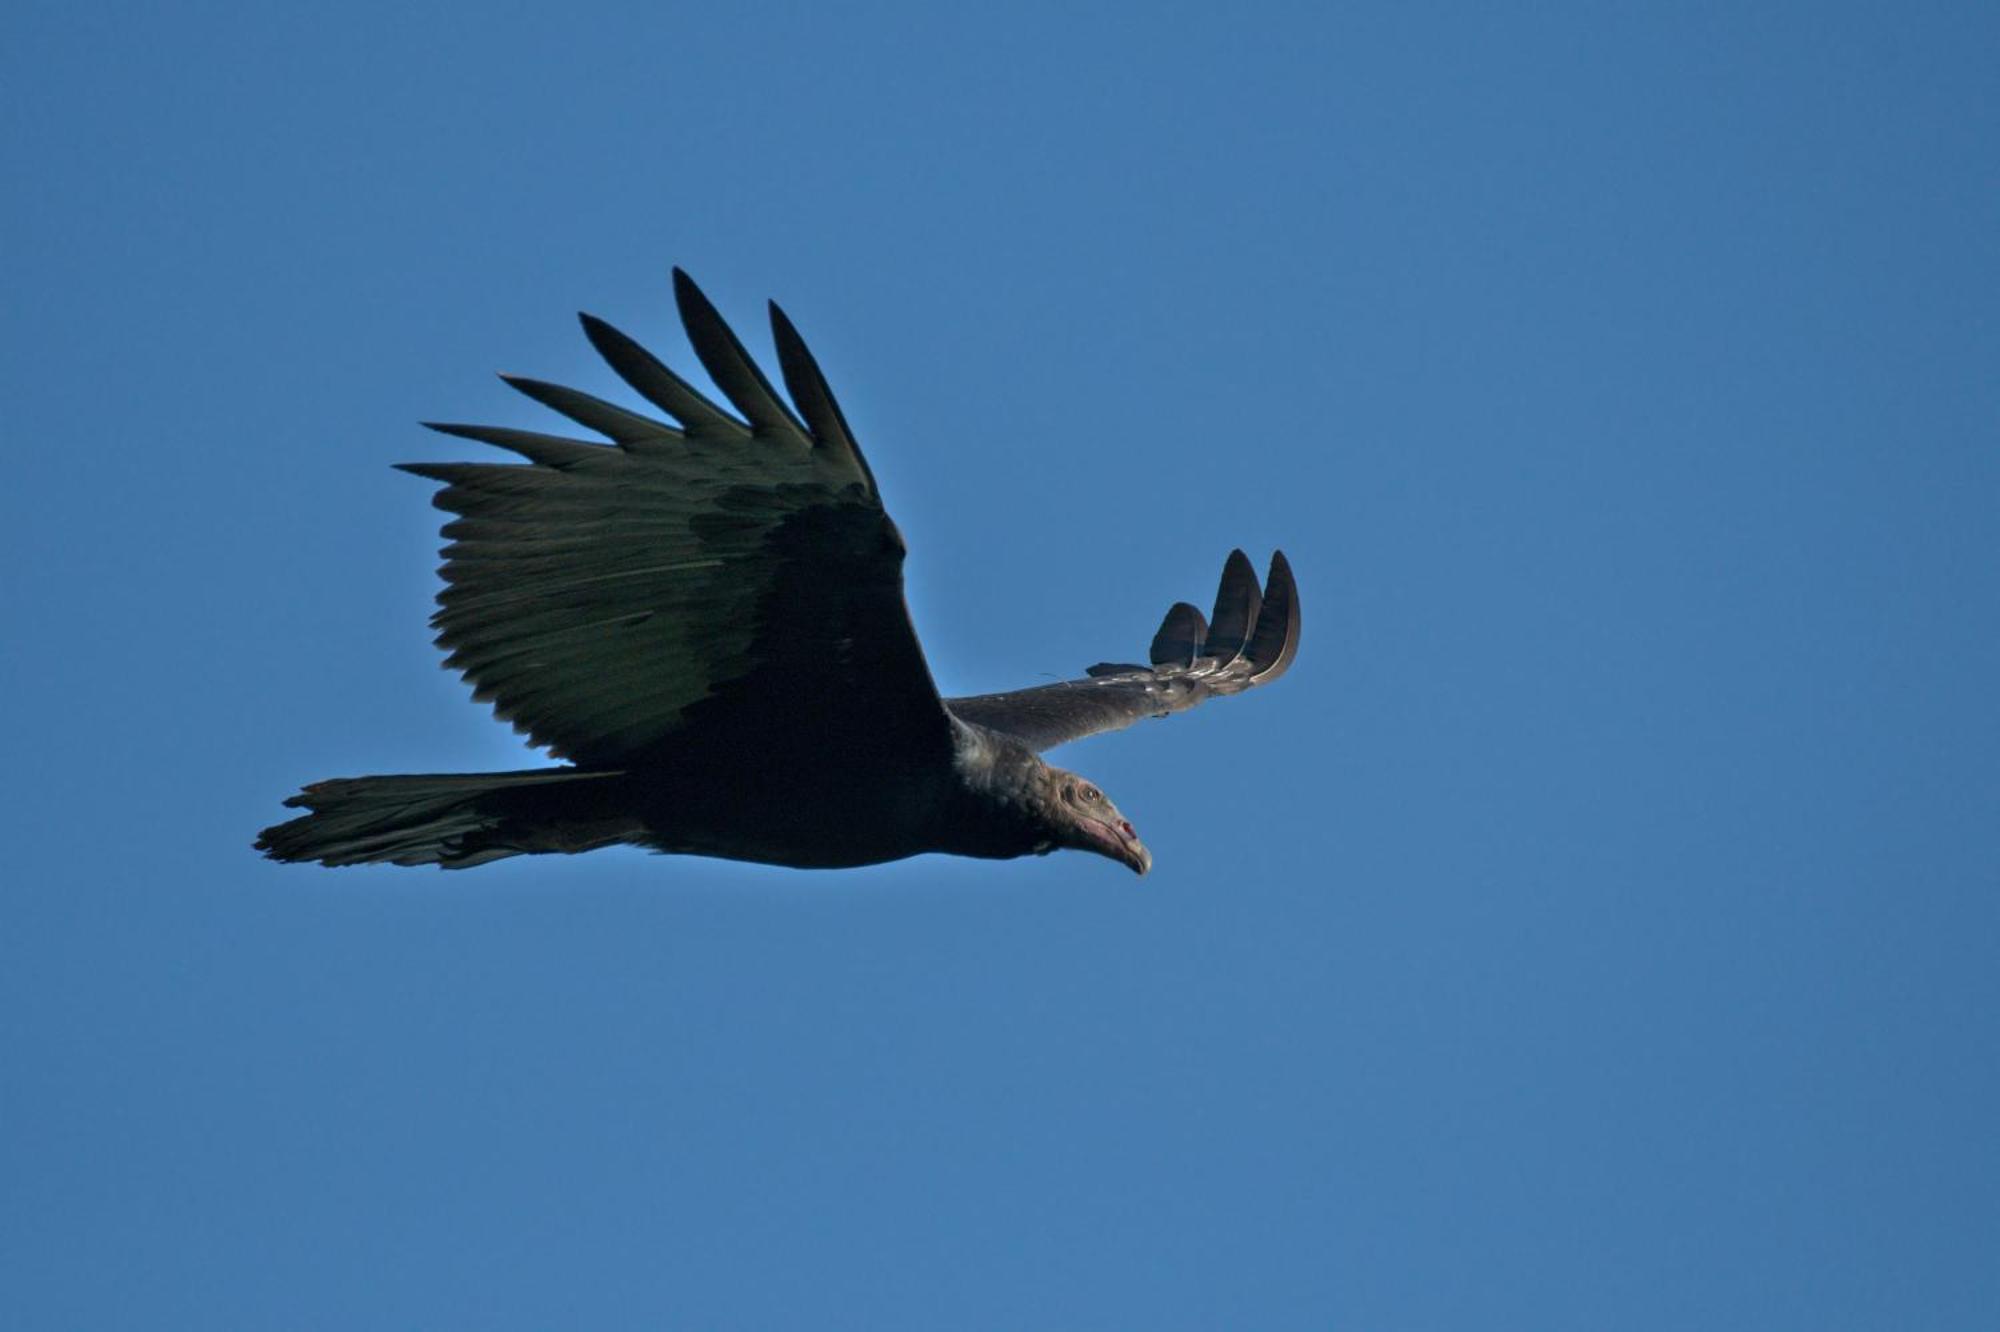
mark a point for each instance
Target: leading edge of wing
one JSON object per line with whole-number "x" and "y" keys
{"x": 1249, "y": 639}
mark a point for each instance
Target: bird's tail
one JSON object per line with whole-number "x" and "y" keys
{"x": 453, "y": 820}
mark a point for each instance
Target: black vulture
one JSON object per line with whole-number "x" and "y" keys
{"x": 706, "y": 621}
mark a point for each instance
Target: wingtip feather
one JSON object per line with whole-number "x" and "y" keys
{"x": 649, "y": 377}
{"x": 549, "y": 450}
{"x": 1180, "y": 636}
{"x": 728, "y": 364}
{"x": 1275, "y": 641}
{"x": 608, "y": 419}
{"x": 807, "y": 384}
{"x": 1237, "y": 602}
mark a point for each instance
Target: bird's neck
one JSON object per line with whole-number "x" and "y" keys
{"x": 993, "y": 810}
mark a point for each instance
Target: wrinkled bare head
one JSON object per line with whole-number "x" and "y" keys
{"x": 1083, "y": 818}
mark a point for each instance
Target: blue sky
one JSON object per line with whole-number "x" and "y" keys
{"x": 1597, "y": 928}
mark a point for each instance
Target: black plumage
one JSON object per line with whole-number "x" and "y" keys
{"x": 706, "y": 619}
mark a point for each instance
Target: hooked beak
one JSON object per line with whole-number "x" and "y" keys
{"x": 1120, "y": 843}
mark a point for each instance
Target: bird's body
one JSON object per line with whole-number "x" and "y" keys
{"x": 707, "y": 620}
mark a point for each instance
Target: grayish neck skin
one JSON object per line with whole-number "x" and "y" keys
{"x": 1010, "y": 803}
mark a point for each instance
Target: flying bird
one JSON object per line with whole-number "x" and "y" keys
{"x": 705, "y": 620}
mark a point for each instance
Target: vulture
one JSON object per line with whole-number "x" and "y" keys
{"x": 705, "y": 622}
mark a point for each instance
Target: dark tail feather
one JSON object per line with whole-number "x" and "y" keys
{"x": 453, "y": 820}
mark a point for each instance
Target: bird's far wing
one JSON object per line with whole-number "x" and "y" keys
{"x": 1249, "y": 640}
{"x": 739, "y": 574}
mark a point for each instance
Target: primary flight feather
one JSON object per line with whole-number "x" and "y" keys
{"x": 706, "y": 619}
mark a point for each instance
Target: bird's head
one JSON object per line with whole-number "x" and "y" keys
{"x": 1083, "y": 818}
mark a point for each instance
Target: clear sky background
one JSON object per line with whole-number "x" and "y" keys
{"x": 1597, "y": 929}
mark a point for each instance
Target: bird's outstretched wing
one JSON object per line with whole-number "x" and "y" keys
{"x": 726, "y": 573}
{"x": 1249, "y": 640}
